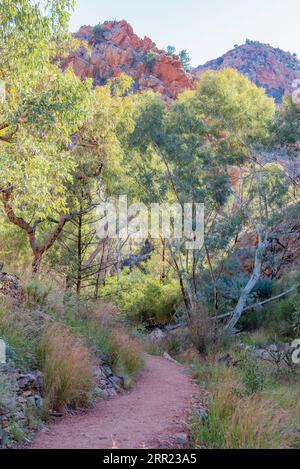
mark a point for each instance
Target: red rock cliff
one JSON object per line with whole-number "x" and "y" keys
{"x": 117, "y": 49}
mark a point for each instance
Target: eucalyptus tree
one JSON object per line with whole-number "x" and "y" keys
{"x": 42, "y": 109}
{"x": 224, "y": 122}
{"x": 99, "y": 150}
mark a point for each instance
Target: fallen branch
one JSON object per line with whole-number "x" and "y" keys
{"x": 248, "y": 308}
{"x": 261, "y": 303}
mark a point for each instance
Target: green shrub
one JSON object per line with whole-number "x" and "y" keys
{"x": 254, "y": 378}
{"x": 144, "y": 298}
{"x": 150, "y": 59}
{"x": 282, "y": 317}
{"x": 33, "y": 417}
{"x": 98, "y": 32}
{"x": 106, "y": 336}
{"x": 37, "y": 293}
{"x": 238, "y": 420}
{"x": 16, "y": 432}
{"x": 263, "y": 289}
{"x": 126, "y": 356}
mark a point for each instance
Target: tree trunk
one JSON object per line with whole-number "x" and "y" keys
{"x": 36, "y": 264}
{"x": 261, "y": 248}
{"x": 79, "y": 255}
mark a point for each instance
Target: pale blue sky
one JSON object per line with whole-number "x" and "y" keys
{"x": 206, "y": 28}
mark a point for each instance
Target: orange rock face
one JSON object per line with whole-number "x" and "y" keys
{"x": 119, "y": 50}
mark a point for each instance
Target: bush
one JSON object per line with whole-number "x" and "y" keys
{"x": 67, "y": 366}
{"x": 102, "y": 331}
{"x": 282, "y": 317}
{"x": 144, "y": 298}
{"x": 126, "y": 356}
{"x": 16, "y": 431}
{"x": 150, "y": 59}
{"x": 98, "y": 32}
{"x": 37, "y": 293}
{"x": 254, "y": 378}
{"x": 263, "y": 289}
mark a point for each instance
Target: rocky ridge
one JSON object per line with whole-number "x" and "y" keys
{"x": 267, "y": 67}
{"x": 116, "y": 49}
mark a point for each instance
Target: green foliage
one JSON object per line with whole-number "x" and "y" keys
{"x": 264, "y": 289}
{"x": 238, "y": 105}
{"x": 254, "y": 378}
{"x": 143, "y": 297}
{"x": 243, "y": 412}
{"x": 282, "y": 317}
{"x": 33, "y": 417}
{"x": 16, "y": 431}
{"x": 98, "y": 32}
{"x": 171, "y": 50}
{"x": 126, "y": 357}
{"x": 43, "y": 107}
{"x": 29, "y": 33}
{"x": 286, "y": 129}
{"x": 185, "y": 59}
{"x": 150, "y": 59}
{"x": 37, "y": 293}
{"x": 109, "y": 341}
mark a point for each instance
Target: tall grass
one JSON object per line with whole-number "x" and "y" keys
{"x": 126, "y": 356}
{"x": 16, "y": 330}
{"x": 107, "y": 336}
{"x": 238, "y": 420}
{"x": 67, "y": 365}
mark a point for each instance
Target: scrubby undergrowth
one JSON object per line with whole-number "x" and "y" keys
{"x": 254, "y": 403}
{"x": 66, "y": 339}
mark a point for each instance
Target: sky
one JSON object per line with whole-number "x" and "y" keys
{"x": 206, "y": 28}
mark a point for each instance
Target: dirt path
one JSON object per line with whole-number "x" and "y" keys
{"x": 153, "y": 414}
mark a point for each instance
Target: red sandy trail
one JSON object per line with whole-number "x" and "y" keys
{"x": 149, "y": 416}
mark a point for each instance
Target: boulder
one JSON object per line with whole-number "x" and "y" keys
{"x": 10, "y": 287}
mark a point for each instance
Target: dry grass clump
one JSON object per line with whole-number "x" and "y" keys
{"x": 67, "y": 365}
{"x": 256, "y": 422}
{"x": 238, "y": 420}
{"x": 203, "y": 331}
{"x": 126, "y": 356}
